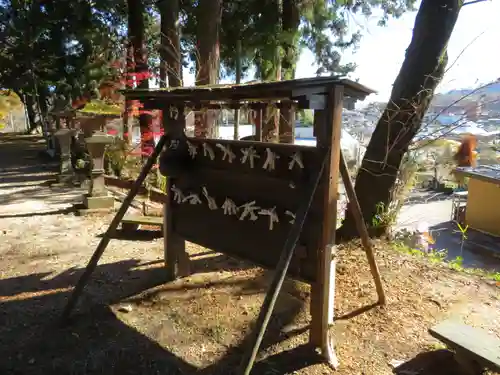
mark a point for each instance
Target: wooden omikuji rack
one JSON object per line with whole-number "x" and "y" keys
{"x": 269, "y": 203}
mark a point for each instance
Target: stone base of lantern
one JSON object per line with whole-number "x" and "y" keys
{"x": 65, "y": 179}
{"x": 95, "y": 205}
{"x": 98, "y": 202}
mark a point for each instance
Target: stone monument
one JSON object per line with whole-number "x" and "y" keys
{"x": 64, "y": 138}
{"x": 97, "y": 199}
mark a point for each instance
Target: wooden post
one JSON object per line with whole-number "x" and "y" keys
{"x": 328, "y": 129}
{"x": 258, "y": 124}
{"x": 174, "y": 246}
{"x": 236, "y": 135}
{"x": 362, "y": 230}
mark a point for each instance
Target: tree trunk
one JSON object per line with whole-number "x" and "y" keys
{"x": 291, "y": 23}
{"x": 136, "y": 32}
{"x": 208, "y": 30}
{"x": 413, "y": 89}
{"x": 129, "y": 70}
{"x": 271, "y": 121}
{"x": 31, "y": 111}
{"x": 170, "y": 51}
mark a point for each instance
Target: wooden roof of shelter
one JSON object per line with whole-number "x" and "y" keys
{"x": 296, "y": 89}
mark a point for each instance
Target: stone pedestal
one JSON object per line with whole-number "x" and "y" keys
{"x": 64, "y": 138}
{"x": 97, "y": 199}
{"x": 52, "y": 146}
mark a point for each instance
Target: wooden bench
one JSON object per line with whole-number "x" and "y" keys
{"x": 474, "y": 348}
{"x": 132, "y": 222}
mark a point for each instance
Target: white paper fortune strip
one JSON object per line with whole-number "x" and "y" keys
{"x": 229, "y": 207}
{"x": 271, "y": 157}
{"x": 178, "y": 196}
{"x": 192, "y": 149}
{"x": 249, "y": 154}
{"x": 208, "y": 151}
{"x": 174, "y": 113}
{"x": 228, "y": 153}
{"x": 296, "y": 159}
{"x": 174, "y": 144}
{"x": 192, "y": 199}
{"x": 212, "y": 204}
{"x": 273, "y": 217}
{"x": 249, "y": 210}
{"x": 292, "y": 215}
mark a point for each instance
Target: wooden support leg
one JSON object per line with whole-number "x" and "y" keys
{"x": 323, "y": 307}
{"x": 177, "y": 261}
{"x": 101, "y": 247}
{"x": 362, "y": 230}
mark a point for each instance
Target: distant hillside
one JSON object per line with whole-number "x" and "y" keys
{"x": 490, "y": 94}
{"x": 494, "y": 88}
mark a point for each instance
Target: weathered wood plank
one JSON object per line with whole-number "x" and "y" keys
{"x": 323, "y": 290}
{"x": 475, "y": 342}
{"x": 295, "y": 89}
{"x": 174, "y": 246}
{"x": 285, "y": 166}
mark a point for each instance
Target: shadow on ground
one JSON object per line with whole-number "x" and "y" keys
{"x": 437, "y": 362}
{"x": 96, "y": 341}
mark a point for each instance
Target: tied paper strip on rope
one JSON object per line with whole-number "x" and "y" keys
{"x": 230, "y": 207}
{"x": 296, "y": 160}
{"x": 249, "y": 154}
{"x": 249, "y": 210}
{"x": 271, "y": 157}
{"x": 273, "y": 217}
{"x": 212, "y": 204}
{"x": 178, "y": 196}
{"x": 208, "y": 151}
{"x": 192, "y": 199}
{"x": 228, "y": 153}
{"x": 292, "y": 215}
{"x": 192, "y": 149}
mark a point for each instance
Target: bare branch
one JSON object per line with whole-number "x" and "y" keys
{"x": 463, "y": 51}
{"x": 473, "y": 2}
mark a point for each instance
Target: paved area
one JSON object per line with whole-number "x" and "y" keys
{"x": 478, "y": 250}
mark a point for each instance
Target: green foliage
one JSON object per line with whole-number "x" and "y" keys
{"x": 9, "y": 101}
{"x": 270, "y": 35}
{"x": 101, "y": 107}
{"x": 116, "y": 156}
{"x": 66, "y": 45}
{"x": 306, "y": 117}
{"x": 439, "y": 257}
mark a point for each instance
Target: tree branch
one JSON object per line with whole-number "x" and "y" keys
{"x": 473, "y": 2}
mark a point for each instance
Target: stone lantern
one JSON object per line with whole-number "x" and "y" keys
{"x": 97, "y": 199}
{"x": 64, "y": 136}
{"x": 61, "y": 137}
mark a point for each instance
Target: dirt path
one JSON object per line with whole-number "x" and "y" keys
{"x": 199, "y": 324}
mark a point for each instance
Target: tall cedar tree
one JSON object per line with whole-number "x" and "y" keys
{"x": 136, "y": 32}
{"x": 170, "y": 51}
{"x": 208, "y": 17}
